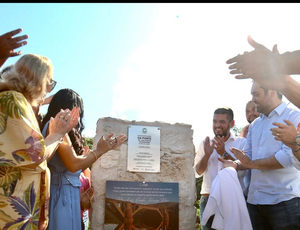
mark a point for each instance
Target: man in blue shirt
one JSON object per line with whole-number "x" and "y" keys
{"x": 273, "y": 199}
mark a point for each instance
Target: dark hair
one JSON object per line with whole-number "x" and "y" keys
{"x": 68, "y": 99}
{"x": 279, "y": 95}
{"x": 225, "y": 110}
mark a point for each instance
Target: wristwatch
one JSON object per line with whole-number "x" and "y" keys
{"x": 297, "y": 140}
{"x": 225, "y": 155}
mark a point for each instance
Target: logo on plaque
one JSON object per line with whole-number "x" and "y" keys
{"x": 144, "y": 130}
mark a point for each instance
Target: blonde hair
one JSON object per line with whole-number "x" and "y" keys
{"x": 29, "y": 76}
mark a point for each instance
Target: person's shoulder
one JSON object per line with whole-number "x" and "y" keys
{"x": 15, "y": 103}
{"x": 11, "y": 92}
{"x": 239, "y": 142}
{"x": 294, "y": 110}
{"x": 12, "y": 95}
{"x": 240, "y": 139}
{"x": 294, "y": 113}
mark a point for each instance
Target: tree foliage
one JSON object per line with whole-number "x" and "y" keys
{"x": 236, "y": 130}
{"x": 89, "y": 142}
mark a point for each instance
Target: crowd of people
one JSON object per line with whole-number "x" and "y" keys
{"x": 44, "y": 163}
{"x": 271, "y": 153}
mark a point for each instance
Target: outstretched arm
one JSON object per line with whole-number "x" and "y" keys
{"x": 266, "y": 163}
{"x": 270, "y": 69}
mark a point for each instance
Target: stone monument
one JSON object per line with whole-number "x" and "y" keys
{"x": 177, "y": 154}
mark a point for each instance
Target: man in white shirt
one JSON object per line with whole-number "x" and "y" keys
{"x": 273, "y": 199}
{"x": 206, "y": 161}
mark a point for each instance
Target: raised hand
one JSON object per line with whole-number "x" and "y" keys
{"x": 109, "y": 142}
{"x": 219, "y": 144}
{"x": 8, "y": 43}
{"x": 208, "y": 147}
{"x": 261, "y": 64}
{"x": 64, "y": 121}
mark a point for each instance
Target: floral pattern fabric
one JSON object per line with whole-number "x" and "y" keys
{"x": 24, "y": 192}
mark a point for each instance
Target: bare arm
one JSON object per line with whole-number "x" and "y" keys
{"x": 270, "y": 69}
{"x": 290, "y": 88}
{"x": 291, "y": 62}
{"x": 68, "y": 156}
{"x": 202, "y": 164}
{"x": 74, "y": 163}
{"x": 57, "y": 129}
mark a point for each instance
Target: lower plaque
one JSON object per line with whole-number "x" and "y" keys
{"x": 141, "y": 205}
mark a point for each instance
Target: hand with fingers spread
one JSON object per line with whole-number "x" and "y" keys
{"x": 108, "y": 143}
{"x": 219, "y": 144}
{"x": 261, "y": 64}
{"x": 64, "y": 121}
{"x": 208, "y": 147}
{"x": 286, "y": 133}
{"x": 8, "y": 43}
{"x": 240, "y": 155}
{"x": 269, "y": 68}
{"x": 86, "y": 197}
{"x": 264, "y": 61}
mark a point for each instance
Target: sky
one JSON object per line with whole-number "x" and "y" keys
{"x": 152, "y": 62}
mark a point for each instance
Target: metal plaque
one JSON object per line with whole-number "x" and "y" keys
{"x": 143, "y": 149}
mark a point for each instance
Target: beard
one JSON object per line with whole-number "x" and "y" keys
{"x": 261, "y": 108}
{"x": 223, "y": 133}
{"x": 252, "y": 118}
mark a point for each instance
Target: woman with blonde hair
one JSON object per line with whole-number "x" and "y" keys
{"x": 24, "y": 175}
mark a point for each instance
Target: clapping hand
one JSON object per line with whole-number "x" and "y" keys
{"x": 109, "y": 142}
{"x": 285, "y": 132}
{"x": 86, "y": 197}
{"x": 64, "y": 121}
{"x": 240, "y": 155}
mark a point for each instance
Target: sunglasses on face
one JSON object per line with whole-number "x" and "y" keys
{"x": 52, "y": 84}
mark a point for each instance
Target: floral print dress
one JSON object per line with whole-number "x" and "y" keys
{"x": 24, "y": 192}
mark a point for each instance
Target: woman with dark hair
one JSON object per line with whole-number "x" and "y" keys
{"x": 68, "y": 162}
